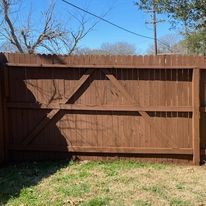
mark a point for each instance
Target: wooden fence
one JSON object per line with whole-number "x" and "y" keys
{"x": 100, "y": 107}
{"x": 1, "y": 119}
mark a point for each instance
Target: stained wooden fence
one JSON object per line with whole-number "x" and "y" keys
{"x": 1, "y": 119}
{"x": 100, "y": 107}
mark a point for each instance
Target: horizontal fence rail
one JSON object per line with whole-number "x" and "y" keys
{"x": 97, "y": 107}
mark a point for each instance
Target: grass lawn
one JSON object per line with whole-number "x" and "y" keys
{"x": 102, "y": 183}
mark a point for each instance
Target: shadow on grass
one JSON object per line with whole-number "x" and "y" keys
{"x": 16, "y": 177}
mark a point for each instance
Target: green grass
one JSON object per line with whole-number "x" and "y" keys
{"x": 90, "y": 183}
{"x": 179, "y": 202}
{"x": 96, "y": 202}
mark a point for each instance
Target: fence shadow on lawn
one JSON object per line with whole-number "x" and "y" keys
{"x": 14, "y": 178}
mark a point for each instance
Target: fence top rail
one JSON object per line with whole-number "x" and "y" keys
{"x": 102, "y": 66}
{"x": 104, "y": 61}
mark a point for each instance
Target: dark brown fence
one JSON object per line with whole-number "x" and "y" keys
{"x": 99, "y": 107}
{"x": 1, "y": 119}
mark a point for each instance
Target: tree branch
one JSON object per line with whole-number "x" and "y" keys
{"x": 14, "y": 40}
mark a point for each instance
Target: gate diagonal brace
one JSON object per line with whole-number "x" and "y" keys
{"x": 144, "y": 114}
{"x": 42, "y": 124}
{"x": 45, "y": 121}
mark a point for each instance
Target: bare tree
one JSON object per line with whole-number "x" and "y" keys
{"x": 52, "y": 36}
{"x": 169, "y": 44}
{"x": 118, "y": 48}
{"x": 121, "y": 48}
{"x": 70, "y": 42}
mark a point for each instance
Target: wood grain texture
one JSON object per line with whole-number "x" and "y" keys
{"x": 196, "y": 116}
{"x": 93, "y": 149}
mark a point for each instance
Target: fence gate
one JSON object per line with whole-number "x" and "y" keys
{"x": 102, "y": 105}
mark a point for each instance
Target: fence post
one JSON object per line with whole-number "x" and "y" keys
{"x": 196, "y": 115}
{"x": 1, "y": 119}
{"x": 5, "y": 110}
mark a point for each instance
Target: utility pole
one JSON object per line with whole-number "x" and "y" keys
{"x": 154, "y": 22}
{"x": 155, "y": 29}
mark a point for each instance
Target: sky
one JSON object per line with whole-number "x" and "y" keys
{"x": 121, "y": 12}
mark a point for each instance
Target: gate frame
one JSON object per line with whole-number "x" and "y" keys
{"x": 196, "y": 109}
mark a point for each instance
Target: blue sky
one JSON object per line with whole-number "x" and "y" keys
{"x": 123, "y": 13}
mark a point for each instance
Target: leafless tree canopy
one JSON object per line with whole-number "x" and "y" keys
{"x": 169, "y": 44}
{"x": 118, "y": 48}
{"x": 53, "y": 36}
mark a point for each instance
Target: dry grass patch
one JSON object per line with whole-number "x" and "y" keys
{"x": 102, "y": 183}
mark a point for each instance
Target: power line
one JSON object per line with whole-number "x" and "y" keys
{"x": 107, "y": 21}
{"x": 111, "y": 23}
